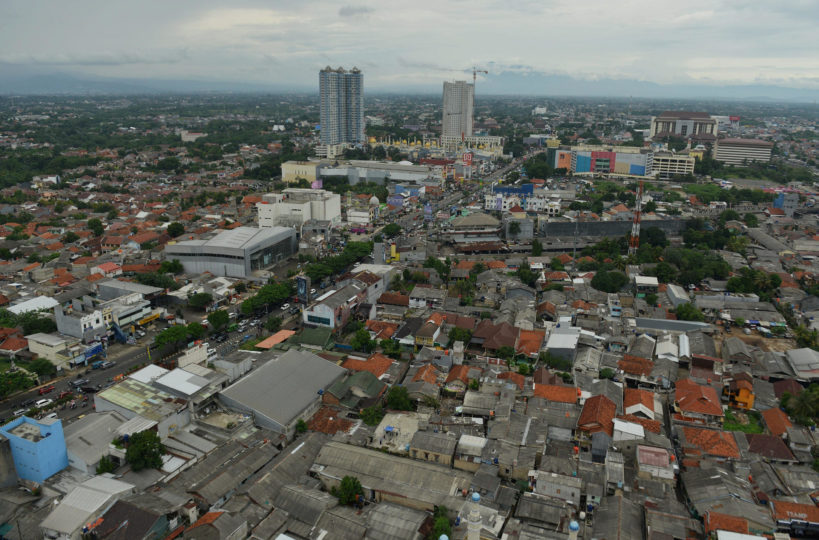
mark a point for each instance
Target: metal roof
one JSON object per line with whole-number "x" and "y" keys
{"x": 283, "y": 387}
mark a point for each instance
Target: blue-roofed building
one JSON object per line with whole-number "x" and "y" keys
{"x": 37, "y": 447}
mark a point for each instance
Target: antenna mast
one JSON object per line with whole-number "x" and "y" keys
{"x": 634, "y": 239}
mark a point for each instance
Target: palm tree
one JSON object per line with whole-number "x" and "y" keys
{"x": 804, "y": 405}
{"x": 514, "y": 228}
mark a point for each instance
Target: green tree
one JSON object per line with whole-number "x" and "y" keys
{"x": 145, "y": 451}
{"x": 440, "y": 524}
{"x": 611, "y": 281}
{"x": 171, "y": 267}
{"x": 176, "y": 229}
{"x": 362, "y": 341}
{"x": 42, "y": 367}
{"x": 218, "y": 319}
{"x": 195, "y": 330}
{"x": 96, "y": 226}
{"x": 200, "y": 300}
{"x": 348, "y": 491}
{"x": 555, "y": 264}
{"x": 106, "y": 465}
{"x": 70, "y": 237}
{"x": 398, "y": 399}
{"x": 391, "y": 230}
{"x": 459, "y": 334}
{"x": 372, "y": 416}
{"x": 651, "y": 299}
{"x": 273, "y": 324}
{"x": 506, "y": 352}
{"x": 173, "y": 335}
{"x": 391, "y": 348}
{"x": 301, "y": 426}
{"x": 112, "y": 215}
{"x": 689, "y": 312}
{"x": 606, "y": 373}
{"x": 513, "y": 228}
{"x": 654, "y": 236}
{"x": 537, "y": 248}
{"x": 751, "y": 220}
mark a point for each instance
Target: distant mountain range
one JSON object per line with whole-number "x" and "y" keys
{"x": 16, "y": 79}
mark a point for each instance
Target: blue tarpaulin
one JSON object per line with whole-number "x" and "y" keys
{"x": 389, "y": 429}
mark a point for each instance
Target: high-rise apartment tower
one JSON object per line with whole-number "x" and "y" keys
{"x": 342, "y": 105}
{"x": 459, "y": 100}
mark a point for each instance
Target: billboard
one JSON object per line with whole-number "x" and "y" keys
{"x": 467, "y": 158}
{"x": 318, "y": 184}
{"x": 303, "y": 289}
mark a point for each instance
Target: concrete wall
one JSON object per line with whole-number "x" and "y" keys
{"x": 8, "y": 474}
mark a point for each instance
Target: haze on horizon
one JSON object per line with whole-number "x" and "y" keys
{"x": 413, "y": 46}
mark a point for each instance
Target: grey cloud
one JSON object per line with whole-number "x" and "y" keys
{"x": 352, "y": 11}
{"x": 95, "y": 59}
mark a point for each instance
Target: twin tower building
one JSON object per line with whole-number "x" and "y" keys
{"x": 342, "y": 107}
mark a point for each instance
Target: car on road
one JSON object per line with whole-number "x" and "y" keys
{"x": 43, "y": 402}
{"x": 46, "y": 389}
{"x": 108, "y": 364}
{"x": 285, "y": 307}
{"x": 220, "y": 338}
{"x": 91, "y": 389}
{"x": 79, "y": 382}
{"x": 64, "y": 394}
{"x": 20, "y": 412}
{"x": 52, "y": 415}
{"x": 294, "y": 310}
{"x": 27, "y": 403}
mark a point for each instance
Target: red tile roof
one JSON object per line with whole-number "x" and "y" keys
{"x": 326, "y": 420}
{"x": 787, "y": 511}
{"x": 777, "y": 421}
{"x": 787, "y": 385}
{"x": 715, "y": 521}
{"x": 207, "y": 519}
{"x": 769, "y": 446}
{"x": 597, "y": 415}
{"x": 14, "y": 343}
{"x": 382, "y": 329}
{"x": 427, "y": 373}
{"x": 516, "y": 378}
{"x": 377, "y": 364}
{"x": 460, "y": 373}
{"x": 649, "y": 425}
{"x": 394, "y": 299}
{"x": 530, "y": 341}
{"x": 696, "y": 398}
{"x": 710, "y": 441}
{"x": 561, "y": 394}
{"x": 636, "y": 396}
{"x": 634, "y": 365}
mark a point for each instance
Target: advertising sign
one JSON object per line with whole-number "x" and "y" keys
{"x": 303, "y": 289}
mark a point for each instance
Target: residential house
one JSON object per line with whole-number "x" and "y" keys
{"x": 460, "y": 377}
{"x": 697, "y": 401}
{"x": 638, "y": 402}
{"x": 597, "y": 415}
{"x": 433, "y": 446}
{"x": 739, "y": 387}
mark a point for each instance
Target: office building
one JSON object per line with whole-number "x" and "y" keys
{"x": 235, "y": 253}
{"x": 669, "y": 164}
{"x": 788, "y": 202}
{"x": 620, "y": 160}
{"x": 342, "y": 106}
{"x": 293, "y": 171}
{"x": 37, "y": 447}
{"x": 294, "y": 206}
{"x": 684, "y": 124}
{"x": 459, "y": 100}
{"x": 742, "y": 151}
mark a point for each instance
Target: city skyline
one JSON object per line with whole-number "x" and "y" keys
{"x": 700, "y": 47}
{"x": 341, "y": 98}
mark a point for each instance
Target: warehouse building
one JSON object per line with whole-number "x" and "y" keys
{"x": 235, "y": 253}
{"x": 283, "y": 391}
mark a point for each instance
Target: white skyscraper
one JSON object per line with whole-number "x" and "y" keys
{"x": 342, "y": 106}
{"x": 459, "y": 100}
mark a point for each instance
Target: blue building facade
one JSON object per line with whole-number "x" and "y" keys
{"x": 37, "y": 447}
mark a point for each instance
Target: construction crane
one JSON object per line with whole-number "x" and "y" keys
{"x": 634, "y": 239}
{"x": 475, "y": 72}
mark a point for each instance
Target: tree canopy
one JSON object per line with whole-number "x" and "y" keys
{"x": 145, "y": 451}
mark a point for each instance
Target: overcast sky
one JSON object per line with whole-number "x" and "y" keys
{"x": 419, "y": 43}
